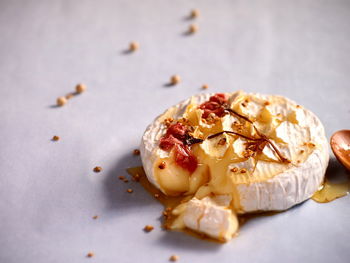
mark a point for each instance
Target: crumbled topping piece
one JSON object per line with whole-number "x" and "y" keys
{"x": 136, "y": 177}
{"x": 55, "y": 138}
{"x": 222, "y": 141}
{"x": 136, "y": 152}
{"x": 80, "y": 88}
{"x": 234, "y": 169}
{"x": 148, "y": 228}
{"x": 97, "y": 169}
{"x": 121, "y": 178}
{"x": 194, "y": 13}
{"x": 162, "y": 165}
{"x": 205, "y": 86}
{"x": 95, "y": 217}
{"x": 69, "y": 96}
{"x": 174, "y": 258}
{"x": 168, "y": 121}
{"x": 267, "y": 103}
{"x": 243, "y": 171}
{"x": 156, "y": 196}
{"x": 192, "y": 29}
{"x": 90, "y": 254}
{"x": 130, "y": 190}
{"x": 133, "y": 46}
{"x": 175, "y": 79}
{"x": 61, "y": 101}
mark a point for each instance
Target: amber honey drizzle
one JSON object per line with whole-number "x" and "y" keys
{"x": 331, "y": 191}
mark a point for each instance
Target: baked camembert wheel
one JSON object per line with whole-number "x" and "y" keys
{"x": 234, "y": 153}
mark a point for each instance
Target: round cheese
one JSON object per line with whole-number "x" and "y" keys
{"x": 255, "y": 183}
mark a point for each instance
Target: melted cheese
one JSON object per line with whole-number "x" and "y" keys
{"x": 253, "y": 183}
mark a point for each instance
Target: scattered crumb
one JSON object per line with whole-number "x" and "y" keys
{"x": 222, "y": 141}
{"x": 136, "y": 177}
{"x": 95, "y": 217}
{"x": 126, "y": 180}
{"x": 90, "y": 255}
{"x": 134, "y": 46}
{"x": 175, "y": 79}
{"x": 266, "y": 103}
{"x": 69, "y": 96}
{"x": 298, "y": 106}
{"x": 193, "y": 29}
{"x": 168, "y": 209}
{"x": 162, "y": 165}
{"x": 61, "y": 101}
{"x": 205, "y": 86}
{"x": 136, "y": 152}
{"x": 55, "y": 138}
{"x": 80, "y": 88}
{"x": 156, "y": 195}
{"x": 174, "y": 258}
{"x": 194, "y": 13}
{"x": 234, "y": 169}
{"x": 130, "y": 190}
{"x": 148, "y": 228}
{"x": 301, "y": 151}
{"x": 243, "y": 170}
{"x": 97, "y": 169}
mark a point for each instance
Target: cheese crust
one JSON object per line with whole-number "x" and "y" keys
{"x": 266, "y": 184}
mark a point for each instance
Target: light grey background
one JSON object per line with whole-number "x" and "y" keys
{"x": 49, "y": 193}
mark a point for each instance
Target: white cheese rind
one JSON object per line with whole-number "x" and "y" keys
{"x": 209, "y": 217}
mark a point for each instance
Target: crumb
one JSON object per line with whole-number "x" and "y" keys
{"x": 95, "y": 217}
{"x": 222, "y": 141}
{"x": 302, "y": 151}
{"x": 55, "y": 138}
{"x": 298, "y": 106}
{"x": 130, "y": 190}
{"x": 97, "y": 169}
{"x": 162, "y": 165}
{"x": 174, "y": 258}
{"x": 194, "y": 13}
{"x": 165, "y": 213}
{"x": 168, "y": 121}
{"x": 136, "y": 152}
{"x": 192, "y": 29}
{"x": 205, "y": 86}
{"x": 136, "y": 177}
{"x": 69, "y": 96}
{"x": 90, "y": 255}
{"x": 148, "y": 228}
{"x": 61, "y": 101}
{"x": 126, "y": 180}
{"x": 243, "y": 170}
{"x": 156, "y": 195}
{"x": 134, "y": 46}
{"x": 80, "y": 88}
{"x": 267, "y": 103}
{"x": 121, "y": 178}
{"x": 168, "y": 209}
{"x": 175, "y": 79}
{"x": 244, "y": 104}
{"x": 234, "y": 169}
